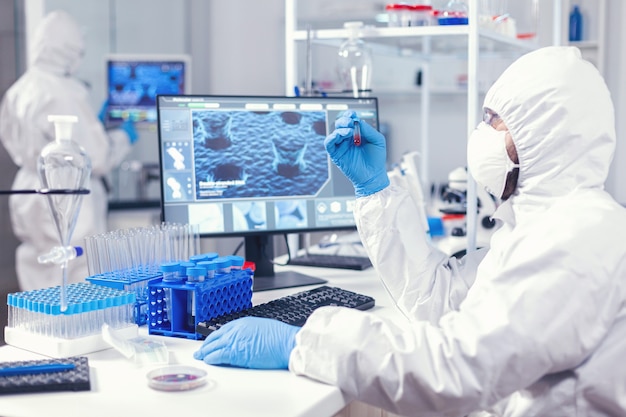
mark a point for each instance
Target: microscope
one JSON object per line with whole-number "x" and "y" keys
{"x": 452, "y": 208}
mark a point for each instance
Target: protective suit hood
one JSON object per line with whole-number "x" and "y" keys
{"x": 57, "y": 45}
{"x": 560, "y": 115}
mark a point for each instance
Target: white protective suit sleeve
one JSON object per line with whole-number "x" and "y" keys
{"x": 423, "y": 281}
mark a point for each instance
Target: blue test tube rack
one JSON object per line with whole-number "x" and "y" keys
{"x": 193, "y": 302}
{"x": 89, "y": 306}
{"x": 135, "y": 282}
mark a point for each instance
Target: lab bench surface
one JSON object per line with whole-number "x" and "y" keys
{"x": 119, "y": 387}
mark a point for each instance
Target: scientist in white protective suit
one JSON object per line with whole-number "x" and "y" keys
{"x": 49, "y": 88}
{"x": 533, "y": 326}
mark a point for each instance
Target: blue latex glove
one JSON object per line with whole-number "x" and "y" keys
{"x": 129, "y": 128}
{"x": 364, "y": 165}
{"x": 102, "y": 115}
{"x": 250, "y": 342}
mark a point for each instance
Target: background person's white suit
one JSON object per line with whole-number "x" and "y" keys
{"x": 536, "y": 325}
{"x": 46, "y": 88}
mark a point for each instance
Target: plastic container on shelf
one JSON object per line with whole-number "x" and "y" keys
{"x": 454, "y": 13}
{"x": 421, "y": 15}
{"x": 399, "y": 14}
{"x": 525, "y": 16}
{"x": 575, "y": 25}
{"x": 404, "y": 14}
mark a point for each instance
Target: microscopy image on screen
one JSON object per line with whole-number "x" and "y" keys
{"x": 178, "y": 187}
{"x": 208, "y": 217}
{"x": 243, "y": 154}
{"x": 291, "y": 214}
{"x": 249, "y": 215}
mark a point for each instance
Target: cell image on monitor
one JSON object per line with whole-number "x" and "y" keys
{"x": 132, "y": 87}
{"x": 291, "y": 214}
{"x": 208, "y": 217}
{"x": 243, "y": 154}
{"x": 249, "y": 215}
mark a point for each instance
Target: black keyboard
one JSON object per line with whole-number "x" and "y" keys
{"x": 293, "y": 309}
{"x": 358, "y": 263}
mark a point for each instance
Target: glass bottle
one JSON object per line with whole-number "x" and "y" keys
{"x": 355, "y": 62}
{"x": 575, "y": 25}
{"x": 64, "y": 165}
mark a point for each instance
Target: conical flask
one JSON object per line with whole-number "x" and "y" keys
{"x": 64, "y": 165}
{"x": 355, "y": 62}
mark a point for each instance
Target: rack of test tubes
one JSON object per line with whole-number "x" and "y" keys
{"x": 37, "y": 323}
{"x": 127, "y": 259}
{"x": 190, "y": 292}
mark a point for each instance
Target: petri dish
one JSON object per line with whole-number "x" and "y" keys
{"x": 176, "y": 378}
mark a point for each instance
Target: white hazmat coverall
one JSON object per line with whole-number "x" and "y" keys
{"x": 535, "y": 328}
{"x": 46, "y": 88}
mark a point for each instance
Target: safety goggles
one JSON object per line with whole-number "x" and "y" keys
{"x": 490, "y": 117}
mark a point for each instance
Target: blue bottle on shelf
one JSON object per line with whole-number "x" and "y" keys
{"x": 575, "y": 25}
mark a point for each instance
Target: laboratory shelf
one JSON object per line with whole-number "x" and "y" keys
{"x": 469, "y": 42}
{"x": 395, "y": 36}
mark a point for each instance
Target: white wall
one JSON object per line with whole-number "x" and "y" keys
{"x": 237, "y": 47}
{"x": 616, "y": 80}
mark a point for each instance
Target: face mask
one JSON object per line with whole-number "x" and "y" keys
{"x": 487, "y": 158}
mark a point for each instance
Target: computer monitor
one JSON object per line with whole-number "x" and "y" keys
{"x": 255, "y": 167}
{"x": 134, "y": 81}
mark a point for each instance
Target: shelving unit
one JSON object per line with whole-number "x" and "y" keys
{"x": 594, "y": 34}
{"x": 471, "y": 41}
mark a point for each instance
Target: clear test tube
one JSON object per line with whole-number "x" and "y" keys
{"x": 170, "y": 271}
{"x": 89, "y": 253}
{"x": 194, "y": 235}
{"x": 194, "y": 275}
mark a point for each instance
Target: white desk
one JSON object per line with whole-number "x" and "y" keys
{"x": 118, "y": 387}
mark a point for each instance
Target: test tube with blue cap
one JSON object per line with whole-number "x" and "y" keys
{"x": 211, "y": 256}
{"x": 183, "y": 269}
{"x": 211, "y": 268}
{"x": 236, "y": 262}
{"x": 194, "y": 275}
{"x": 198, "y": 258}
{"x": 223, "y": 264}
{"x": 171, "y": 274}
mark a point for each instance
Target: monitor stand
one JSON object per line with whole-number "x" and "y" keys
{"x": 284, "y": 279}
{"x": 260, "y": 250}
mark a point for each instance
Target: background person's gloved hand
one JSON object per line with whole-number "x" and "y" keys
{"x": 102, "y": 114}
{"x": 250, "y": 342}
{"x": 129, "y": 128}
{"x": 364, "y": 165}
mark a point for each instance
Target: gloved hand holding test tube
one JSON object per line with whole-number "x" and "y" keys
{"x": 360, "y": 152}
